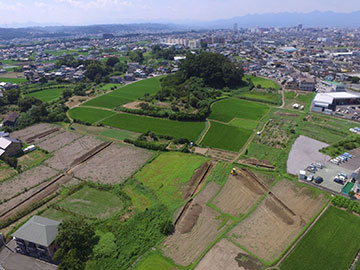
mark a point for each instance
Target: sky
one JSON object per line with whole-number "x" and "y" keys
{"x": 82, "y": 12}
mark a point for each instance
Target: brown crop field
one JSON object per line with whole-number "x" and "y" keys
{"x": 65, "y": 156}
{"x": 239, "y": 194}
{"x": 26, "y": 180}
{"x": 278, "y": 220}
{"x": 28, "y": 132}
{"x": 226, "y": 256}
{"x": 58, "y": 141}
{"x": 113, "y": 165}
{"x": 196, "y": 229}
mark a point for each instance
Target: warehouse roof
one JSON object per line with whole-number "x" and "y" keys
{"x": 38, "y": 230}
{"x": 328, "y": 98}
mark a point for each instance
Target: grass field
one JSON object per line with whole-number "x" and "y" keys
{"x": 263, "y": 152}
{"x": 92, "y": 203}
{"x": 13, "y": 80}
{"x": 168, "y": 174}
{"x": 89, "y": 115}
{"x": 156, "y": 261}
{"x": 56, "y": 214}
{"x": 244, "y": 123}
{"x": 141, "y": 197}
{"x": 136, "y": 123}
{"x": 47, "y": 95}
{"x": 262, "y": 82}
{"x": 331, "y": 244}
{"x": 118, "y": 134}
{"x": 126, "y": 93}
{"x": 226, "y": 137}
{"x": 273, "y": 98}
{"x": 227, "y": 109}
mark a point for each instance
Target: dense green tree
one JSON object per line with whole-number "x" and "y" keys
{"x": 112, "y": 61}
{"x": 67, "y": 93}
{"x": 27, "y": 102}
{"x": 136, "y": 56}
{"x": 12, "y": 96}
{"x": 76, "y": 239}
{"x": 120, "y": 67}
{"x": 80, "y": 89}
{"x": 95, "y": 69}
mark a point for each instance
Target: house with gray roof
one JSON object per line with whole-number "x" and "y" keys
{"x": 36, "y": 237}
{"x": 9, "y": 146}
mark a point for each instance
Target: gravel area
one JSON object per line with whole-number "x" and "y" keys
{"x": 303, "y": 152}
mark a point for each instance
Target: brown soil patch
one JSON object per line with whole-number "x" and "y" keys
{"x": 76, "y": 100}
{"x": 113, "y": 165}
{"x": 190, "y": 218}
{"x": 133, "y": 105}
{"x": 26, "y": 180}
{"x": 278, "y": 220}
{"x": 226, "y": 256}
{"x": 41, "y": 135}
{"x": 201, "y": 151}
{"x": 184, "y": 248}
{"x": 65, "y": 156}
{"x": 257, "y": 163}
{"x": 39, "y": 195}
{"x": 15, "y": 74}
{"x": 58, "y": 141}
{"x": 31, "y": 131}
{"x": 239, "y": 194}
{"x": 221, "y": 155}
{"x": 286, "y": 114}
{"x": 195, "y": 180}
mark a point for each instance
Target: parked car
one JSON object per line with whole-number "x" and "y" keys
{"x": 310, "y": 177}
{"x": 343, "y": 175}
{"x": 319, "y": 180}
{"x": 339, "y": 181}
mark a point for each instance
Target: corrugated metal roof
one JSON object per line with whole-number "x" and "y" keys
{"x": 4, "y": 142}
{"x": 38, "y": 230}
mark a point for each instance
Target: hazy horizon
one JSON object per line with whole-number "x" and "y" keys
{"x": 86, "y": 12}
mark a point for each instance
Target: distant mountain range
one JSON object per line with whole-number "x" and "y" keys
{"x": 287, "y": 19}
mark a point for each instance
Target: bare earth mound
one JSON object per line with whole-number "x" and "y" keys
{"x": 226, "y": 256}
{"x": 277, "y": 221}
{"x": 184, "y": 248}
{"x": 239, "y": 194}
{"x": 113, "y": 165}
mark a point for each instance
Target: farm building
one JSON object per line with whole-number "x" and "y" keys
{"x": 36, "y": 237}
{"x": 323, "y": 101}
{"x": 11, "y": 119}
{"x": 116, "y": 79}
{"x": 9, "y": 146}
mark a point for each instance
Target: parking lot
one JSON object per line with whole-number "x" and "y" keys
{"x": 330, "y": 171}
{"x": 348, "y": 112}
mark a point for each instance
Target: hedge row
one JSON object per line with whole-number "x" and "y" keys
{"x": 344, "y": 202}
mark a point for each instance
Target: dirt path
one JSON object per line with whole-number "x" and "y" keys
{"x": 206, "y": 131}
{"x": 298, "y": 240}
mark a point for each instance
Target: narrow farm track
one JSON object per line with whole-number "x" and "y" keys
{"x": 291, "y": 249}
{"x": 206, "y": 131}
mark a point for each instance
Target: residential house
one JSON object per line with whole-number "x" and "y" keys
{"x": 307, "y": 84}
{"x": 10, "y": 119}
{"x": 115, "y": 79}
{"x": 129, "y": 77}
{"x": 9, "y": 146}
{"x": 37, "y": 237}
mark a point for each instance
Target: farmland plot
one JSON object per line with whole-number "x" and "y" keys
{"x": 113, "y": 165}
{"x": 63, "y": 158}
{"x": 195, "y": 230}
{"x": 89, "y": 115}
{"x": 58, "y": 141}
{"x": 275, "y": 225}
{"x": 31, "y": 131}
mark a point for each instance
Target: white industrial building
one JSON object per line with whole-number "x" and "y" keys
{"x": 329, "y": 101}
